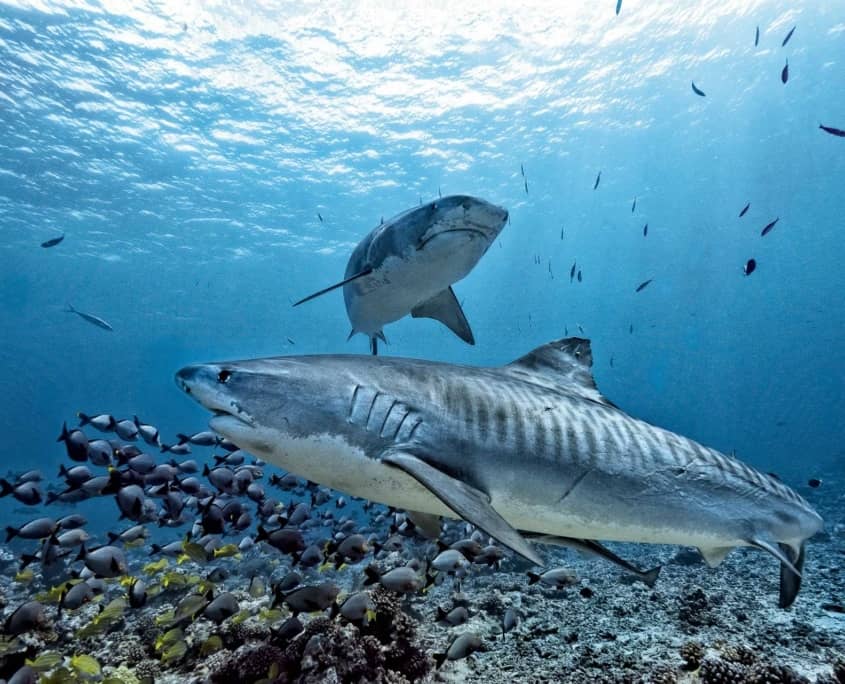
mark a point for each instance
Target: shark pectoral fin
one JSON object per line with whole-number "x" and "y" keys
{"x": 444, "y": 307}
{"x": 466, "y": 501}
{"x": 343, "y": 282}
{"x": 715, "y": 555}
{"x": 426, "y": 523}
{"x": 790, "y": 582}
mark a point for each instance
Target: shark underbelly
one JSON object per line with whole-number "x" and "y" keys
{"x": 400, "y": 283}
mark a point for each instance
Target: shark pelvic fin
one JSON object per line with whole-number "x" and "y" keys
{"x": 427, "y": 523}
{"x": 562, "y": 365}
{"x": 466, "y": 501}
{"x": 715, "y": 555}
{"x": 444, "y": 307}
{"x": 343, "y": 282}
{"x": 594, "y": 548}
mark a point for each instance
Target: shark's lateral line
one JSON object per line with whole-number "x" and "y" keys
{"x": 528, "y": 449}
{"x": 409, "y": 264}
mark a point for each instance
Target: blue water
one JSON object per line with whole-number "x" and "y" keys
{"x": 186, "y": 149}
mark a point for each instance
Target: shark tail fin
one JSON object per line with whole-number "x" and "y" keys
{"x": 343, "y": 282}
{"x": 444, "y": 307}
{"x": 790, "y": 581}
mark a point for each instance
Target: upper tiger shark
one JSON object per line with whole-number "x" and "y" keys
{"x": 408, "y": 265}
{"x": 527, "y": 451}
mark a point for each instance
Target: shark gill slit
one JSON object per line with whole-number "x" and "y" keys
{"x": 386, "y": 416}
{"x": 370, "y": 411}
{"x": 352, "y": 403}
{"x": 399, "y": 425}
{"x": 414, "y": 428}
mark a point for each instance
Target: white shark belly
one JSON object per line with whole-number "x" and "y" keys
{"x": 400, "y": 284}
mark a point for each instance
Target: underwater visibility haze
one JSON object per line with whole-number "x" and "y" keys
{"x": 553, "y": 226}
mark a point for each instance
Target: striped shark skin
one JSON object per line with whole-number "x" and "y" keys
{"x": 531, "y": 449}
{"x": 407, "y": 265}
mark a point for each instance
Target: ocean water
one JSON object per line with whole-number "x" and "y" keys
{"x": 185, "y": 150}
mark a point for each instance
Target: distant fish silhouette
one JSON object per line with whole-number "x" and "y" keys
{"x": 749, "y": 267}
{"x": 91, "y": 318}
{"x": 522, "y": 170}
{"x": 757, "y": 37}
{"x": 579, "y": 275}
{"x": 833, "y": 131}
{"x": 784, "y": 75}
{"x": 526, "y": 186}
{"x": 645, "y": 230}
{"x": 572, "y": 271}
{"x": 618, "y": 7}
{"x": 52, "y": 242}
{"x": 768, "y": 228}
{"x": 634, "y": 205}
{"x": 598, "y": 180}
{"x": 744, "y": 210}
{"x": 642, "y": 286}
{"x": 788, "y": 36}
{"x": 320, "y": 216}
{"x": 697, "y": 91}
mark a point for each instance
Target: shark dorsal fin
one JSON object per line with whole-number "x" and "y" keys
{"x": 561, "y": 365}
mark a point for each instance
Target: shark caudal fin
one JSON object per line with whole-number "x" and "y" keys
{"x": 790, "y": 581}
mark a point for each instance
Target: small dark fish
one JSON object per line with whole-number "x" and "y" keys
{"x": 320, "y": 216}
{"x": 814, "y": 482}
{"x": 598, "y": 180}
{"x": 439, "y": 194}
{"x": 526, "y": 186}
{"x": 52, "y": 242}
{"x": 631, "y": 329}
{"x": 572, "y": 271}
{"x": 833, "y": 608}
{"x": 634, "y": 205}
{"x": 618, "y": 7}
{"x": 788, "y": 36}
{"x": 290, "y": 341}
{"x": 833, "y": 131}
{"x": 768, "y": 228}
{"x": 784, "y": 75}
{"x": 749, "y": 267}
{"x": 645, "y": 230}
{"x": 642, "y": 286}
{"x": 697, "y": 91}
{"x": 579, "y": 275}
{"x": 522, "y": 170}
{"x": 91, "y": 318}
{"x": 757, "y": 37}
{"x": 561, "y": 233}
{"x": 745, "y": 210}
{"x": 611, "y": 362}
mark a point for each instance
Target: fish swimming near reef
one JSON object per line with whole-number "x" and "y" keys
{"x": 530, "y": 446}
{"x": 409, "y": 264}
{"x": 91, "y": 318}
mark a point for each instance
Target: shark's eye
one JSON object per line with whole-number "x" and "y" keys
{"x": 223, "y": 376}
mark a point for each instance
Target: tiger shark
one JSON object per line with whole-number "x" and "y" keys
{"x": 531, "y": 449}
{"x": 409, "y": 264}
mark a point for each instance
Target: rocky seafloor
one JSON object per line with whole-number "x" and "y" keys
{"x": 696, "y": 624}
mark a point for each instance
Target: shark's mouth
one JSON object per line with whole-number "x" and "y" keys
{"x": 226, "y": 420}
{"x": 473, "y": 231}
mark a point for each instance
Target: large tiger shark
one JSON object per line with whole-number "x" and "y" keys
{"x": 531, "y": 449}
{"x": 408, "y": 265}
